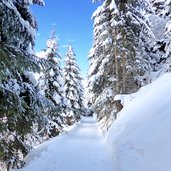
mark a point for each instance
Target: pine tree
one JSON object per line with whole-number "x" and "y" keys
{"x": 51, "y": 85}
{"x": 116, "y": 63}
{"x": 161, "y": 7}
{"x": 162, "y": 47}
{"x": 20, "y": 106}
{"x": 73, "y": 87}
{"x": 131, "y": 24}
{"x": 101, "y": 71}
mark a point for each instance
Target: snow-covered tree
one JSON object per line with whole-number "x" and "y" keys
{"x": 101, "y": 71}
{"x": 73, "y": 87}
{"x": 130, "y": 24}
{"x": 161, "y": 7}
{"x": 51, "y": 86}
{"x": 20, "y": 105}
{"x": 116, "y": 61}
{"x": 162, "y": 31}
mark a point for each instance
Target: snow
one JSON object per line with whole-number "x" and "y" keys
{"x": 107, "y": 41}
{"x": 76, "y": 105}
{"x": 56, "y": 60}
{"x": 57, "y": 98}
{"x": 42, "y": 2}
{"x": 113, "y": 6}
{"x": 158, "y": 25}
{"x": 32, "y": 77}
{"x": 141, "y": 135}
{"x": 81, "y": 149}
{"x": 30, "y": 49}
{"x": 56, "y": 84}
{"x": 95, "y": 14}
{"x": 125, "y": 98}
{"x": 51, "y": 73}
{"x": 41, "y": 54}
{"x": 13, "y": 85}
{"x": 114, "y": 23}
{"x": 105, "y": 32}
{"x": 138, "y": 140}
{"x": 52, "y": 43}
{"x": 24, "y": 23}
{"x": 109, "y": 93}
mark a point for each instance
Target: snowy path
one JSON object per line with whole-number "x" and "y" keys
{"x": 81, "y": 149}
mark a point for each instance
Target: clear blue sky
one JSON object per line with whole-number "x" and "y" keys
{"x": 72, "y": 21}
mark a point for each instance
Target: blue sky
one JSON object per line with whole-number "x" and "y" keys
{"x": 72, "y": 22}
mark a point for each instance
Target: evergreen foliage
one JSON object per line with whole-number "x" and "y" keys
{"x": 131, "y": 47}
{"x": 20, "y": 103}
{"x": 51, "y": 86}
{"x": 125, "y": 53}
{"x": 73, "y": 87}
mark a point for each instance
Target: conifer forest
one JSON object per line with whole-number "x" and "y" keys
{"x": 40, "y": 97}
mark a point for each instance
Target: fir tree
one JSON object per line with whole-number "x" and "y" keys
{"x": 100, "y": 75}
{"x": 116, "y": 63}
{"x": 73, "y": 87}
{"x": 20, "y": 106}
{"x": 51, "y": 85}
{"x": 130, "y": 25}
{"x": 162, "y": 29}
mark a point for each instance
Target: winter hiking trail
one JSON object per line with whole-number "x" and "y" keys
{"x": 83, "y": 148}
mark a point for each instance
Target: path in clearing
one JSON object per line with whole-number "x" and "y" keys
{"x": 83, "y": 148}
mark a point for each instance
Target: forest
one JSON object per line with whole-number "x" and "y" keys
{"x": 39, "y": 98}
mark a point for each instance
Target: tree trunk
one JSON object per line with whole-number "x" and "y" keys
{"x": 124, "y": 63}
{"x": 116, "y": 64}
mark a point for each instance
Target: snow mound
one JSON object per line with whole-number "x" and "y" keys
{"x": 141, "y": 135}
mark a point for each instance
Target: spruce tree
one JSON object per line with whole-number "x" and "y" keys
{"x": 130, "y": 25}
{"x": 161, "y": 28}
{"x": 116, "y": 63}
{"x": 73, "y": 87}
{"x": 51, "y": 86}
{"x": 101, "y": 71}
{"x": 20, "y": 107}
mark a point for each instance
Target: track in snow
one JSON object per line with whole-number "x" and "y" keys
{"x": 81, "y": 149}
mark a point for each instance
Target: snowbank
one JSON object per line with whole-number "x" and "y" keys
{"x": 141, "y": 136}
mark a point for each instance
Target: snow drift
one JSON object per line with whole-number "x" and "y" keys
{"x": 141, "y": 136}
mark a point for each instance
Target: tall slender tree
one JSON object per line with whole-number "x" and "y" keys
{"x": 101, "y": 71}
{"x": 73, "y": 87}
{"x": 51, "y": 85}
{"x": 116, "y": 64}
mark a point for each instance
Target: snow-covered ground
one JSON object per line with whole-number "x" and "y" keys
{"x": 139, "y": 140}
{"x": 83, "y": 148}
{"x": 141, "y": 136}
